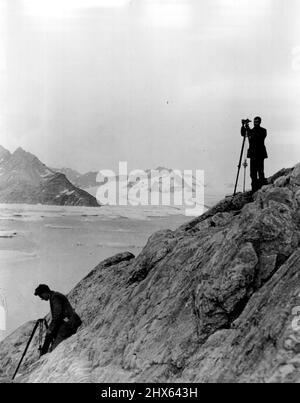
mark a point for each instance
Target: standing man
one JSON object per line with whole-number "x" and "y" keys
{"x": 257, "y": 152}
{"x": 65, "y": 320}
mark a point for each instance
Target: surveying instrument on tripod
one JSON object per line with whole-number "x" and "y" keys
{"x": 43, "y": 347}
{"x": 245, "y": 124}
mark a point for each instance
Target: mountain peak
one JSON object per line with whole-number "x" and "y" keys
{"x": 26, "y": 179}
{"x": 22, "y": 155}
{"x": 3, "y": 148}
{"x": 4, "y": 154}
{"x": 20, "y": 151}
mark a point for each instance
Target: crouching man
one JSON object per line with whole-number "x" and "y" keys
{"x": 65, "y": 320}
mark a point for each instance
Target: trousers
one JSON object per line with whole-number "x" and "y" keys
{"x": 65, "y": 330}
{"x": 257, "y": 173}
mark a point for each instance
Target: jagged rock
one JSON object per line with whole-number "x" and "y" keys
{"x": 295, "y": 176}
{"x": 284, "y": 172}
{"x": 217, "y": 300}
{"x": 158, "y": 246}
{"x": 253, "y": 350}
{"x": 282, "y": 181}
{"x": 281, "y": 195}
{"x": 297, "y": 196}
{"x": 231, "y": 204}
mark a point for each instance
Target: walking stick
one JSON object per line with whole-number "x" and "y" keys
{"x": 38, "y": 323}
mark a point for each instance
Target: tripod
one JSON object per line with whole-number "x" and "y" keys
{"x": 240, "y": 164}
{"x": 245, "y": 164}
{"x": 38, "y": 325}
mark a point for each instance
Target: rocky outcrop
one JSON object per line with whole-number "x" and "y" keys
{"x": 25, "y": 179}
{"x": 217, "y": 300}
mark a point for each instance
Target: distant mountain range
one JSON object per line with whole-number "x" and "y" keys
{"x": 25, "y": 179}
{"x": 159, "y": 181}
{"x": 88, "y": 180}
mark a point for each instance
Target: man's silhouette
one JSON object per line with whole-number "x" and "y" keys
{"x": 257, "y": 152}
{"x": 65, "y": 320}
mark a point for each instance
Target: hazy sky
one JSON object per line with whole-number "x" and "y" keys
{"x": 86, "y": 83}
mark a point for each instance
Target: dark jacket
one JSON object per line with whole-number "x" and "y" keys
{"x": 256, "y": 138}
{"x": 61, "y": 311}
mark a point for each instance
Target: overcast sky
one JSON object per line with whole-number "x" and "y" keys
{"x": 87, "y": 83}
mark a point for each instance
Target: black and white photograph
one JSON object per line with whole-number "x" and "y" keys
{"x": 149, "y": 194}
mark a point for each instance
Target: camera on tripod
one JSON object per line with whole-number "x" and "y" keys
{"x": 246, "y": 121}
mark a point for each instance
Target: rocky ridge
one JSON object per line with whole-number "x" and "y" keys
{"x": 216, "y": 300}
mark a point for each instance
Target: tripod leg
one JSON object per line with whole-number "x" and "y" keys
{"x": 239, "y": 166}
{"x": 26, "y": 348}
{"x": 245, "y": 168}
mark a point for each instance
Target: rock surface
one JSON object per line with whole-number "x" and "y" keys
{"x": 217, "y": 300}
{"x": 25, "y": 179}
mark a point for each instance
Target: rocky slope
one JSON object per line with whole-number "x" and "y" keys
{"x": 83, "y": 181}
{"x": 25, "y": 179}
{"x": 217, "y": 300}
